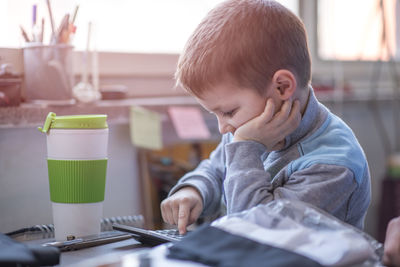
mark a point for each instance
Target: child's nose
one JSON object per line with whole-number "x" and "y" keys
{"x": 225, "y": 128}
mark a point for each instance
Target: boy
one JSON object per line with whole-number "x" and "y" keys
{"x": 248, "y": 63}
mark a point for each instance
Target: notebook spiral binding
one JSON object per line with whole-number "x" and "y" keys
{"x": 43, "y": 231}
{"x": 135, "y": 220}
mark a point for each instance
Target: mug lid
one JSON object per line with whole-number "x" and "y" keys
{"x": 52, "y": 121}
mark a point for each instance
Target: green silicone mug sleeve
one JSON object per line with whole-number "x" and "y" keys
{"x": 77, "y": 181}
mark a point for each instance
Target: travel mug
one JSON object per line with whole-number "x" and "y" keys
{"x": 77, "y": 164}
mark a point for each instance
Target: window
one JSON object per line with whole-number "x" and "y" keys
{"x": 146, "y": 26}
{"x": 358, "y": 29}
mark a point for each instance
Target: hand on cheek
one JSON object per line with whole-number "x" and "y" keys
{"x": 271, "y": 129}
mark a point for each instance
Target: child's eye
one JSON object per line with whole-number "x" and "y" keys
{"x": 230, "y": 113}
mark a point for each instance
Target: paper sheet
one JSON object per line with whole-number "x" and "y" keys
{"x": 145, "y": 128}
{"x": 189, "y": 123}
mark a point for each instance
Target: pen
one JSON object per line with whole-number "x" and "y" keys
{"x": 24, "y": 34}
{"x": 51, "y": 19}
{"x": 89, "y": 241}
{"x": 62, "y": 244}
{"x": 71, "y": 29}
{"x": 36, "y": 31}
{"x": 42, "y": 31}
{"x": 34, "y": 8}
{"x": 62, "y": 30}
{"x": 74, "y": 16}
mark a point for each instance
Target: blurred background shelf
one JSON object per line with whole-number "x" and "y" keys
{"x": 32, "y": 114}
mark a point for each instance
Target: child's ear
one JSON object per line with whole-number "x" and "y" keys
{"x": 284, "y": 82}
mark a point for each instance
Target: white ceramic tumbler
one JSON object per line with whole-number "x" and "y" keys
{"x": 77, "y": 163}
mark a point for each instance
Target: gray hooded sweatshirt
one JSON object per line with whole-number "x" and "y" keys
{"x": 322, "y": 163}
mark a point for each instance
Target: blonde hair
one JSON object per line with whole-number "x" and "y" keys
{"x": 246, "y": 41}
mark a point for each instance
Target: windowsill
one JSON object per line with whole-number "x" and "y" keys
{"x": 30, "y": 115}
{"x": 111, "y": 64}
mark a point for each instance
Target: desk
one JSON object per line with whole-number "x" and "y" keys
{"x": 97, "y": 254}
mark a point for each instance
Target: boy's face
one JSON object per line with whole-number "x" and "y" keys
{"x": 233, "y": 106}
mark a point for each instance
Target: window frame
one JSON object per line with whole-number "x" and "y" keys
{"x": 357, "y": 72}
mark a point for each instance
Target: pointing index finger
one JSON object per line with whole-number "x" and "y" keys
{"x": 183, "y": 217}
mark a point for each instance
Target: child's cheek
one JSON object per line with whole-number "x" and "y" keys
{"x": 240, "y": 119}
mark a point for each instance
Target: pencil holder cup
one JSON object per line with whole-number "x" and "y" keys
{"x": 77, "y": 163}
{"x": 48, "y": 73}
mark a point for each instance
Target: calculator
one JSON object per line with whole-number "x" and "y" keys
{"x": 150, "y": 237}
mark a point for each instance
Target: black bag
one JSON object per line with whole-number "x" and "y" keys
{"x": 215, "y": 247}
{"x": 13, "y": 253}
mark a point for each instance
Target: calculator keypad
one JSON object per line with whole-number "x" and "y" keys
{"x": 173, "y": 233}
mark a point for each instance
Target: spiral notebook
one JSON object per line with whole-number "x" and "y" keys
{"x": 44, "y": 231}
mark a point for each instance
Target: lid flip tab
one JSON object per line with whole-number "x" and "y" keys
{"x": 49, "y": 119}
